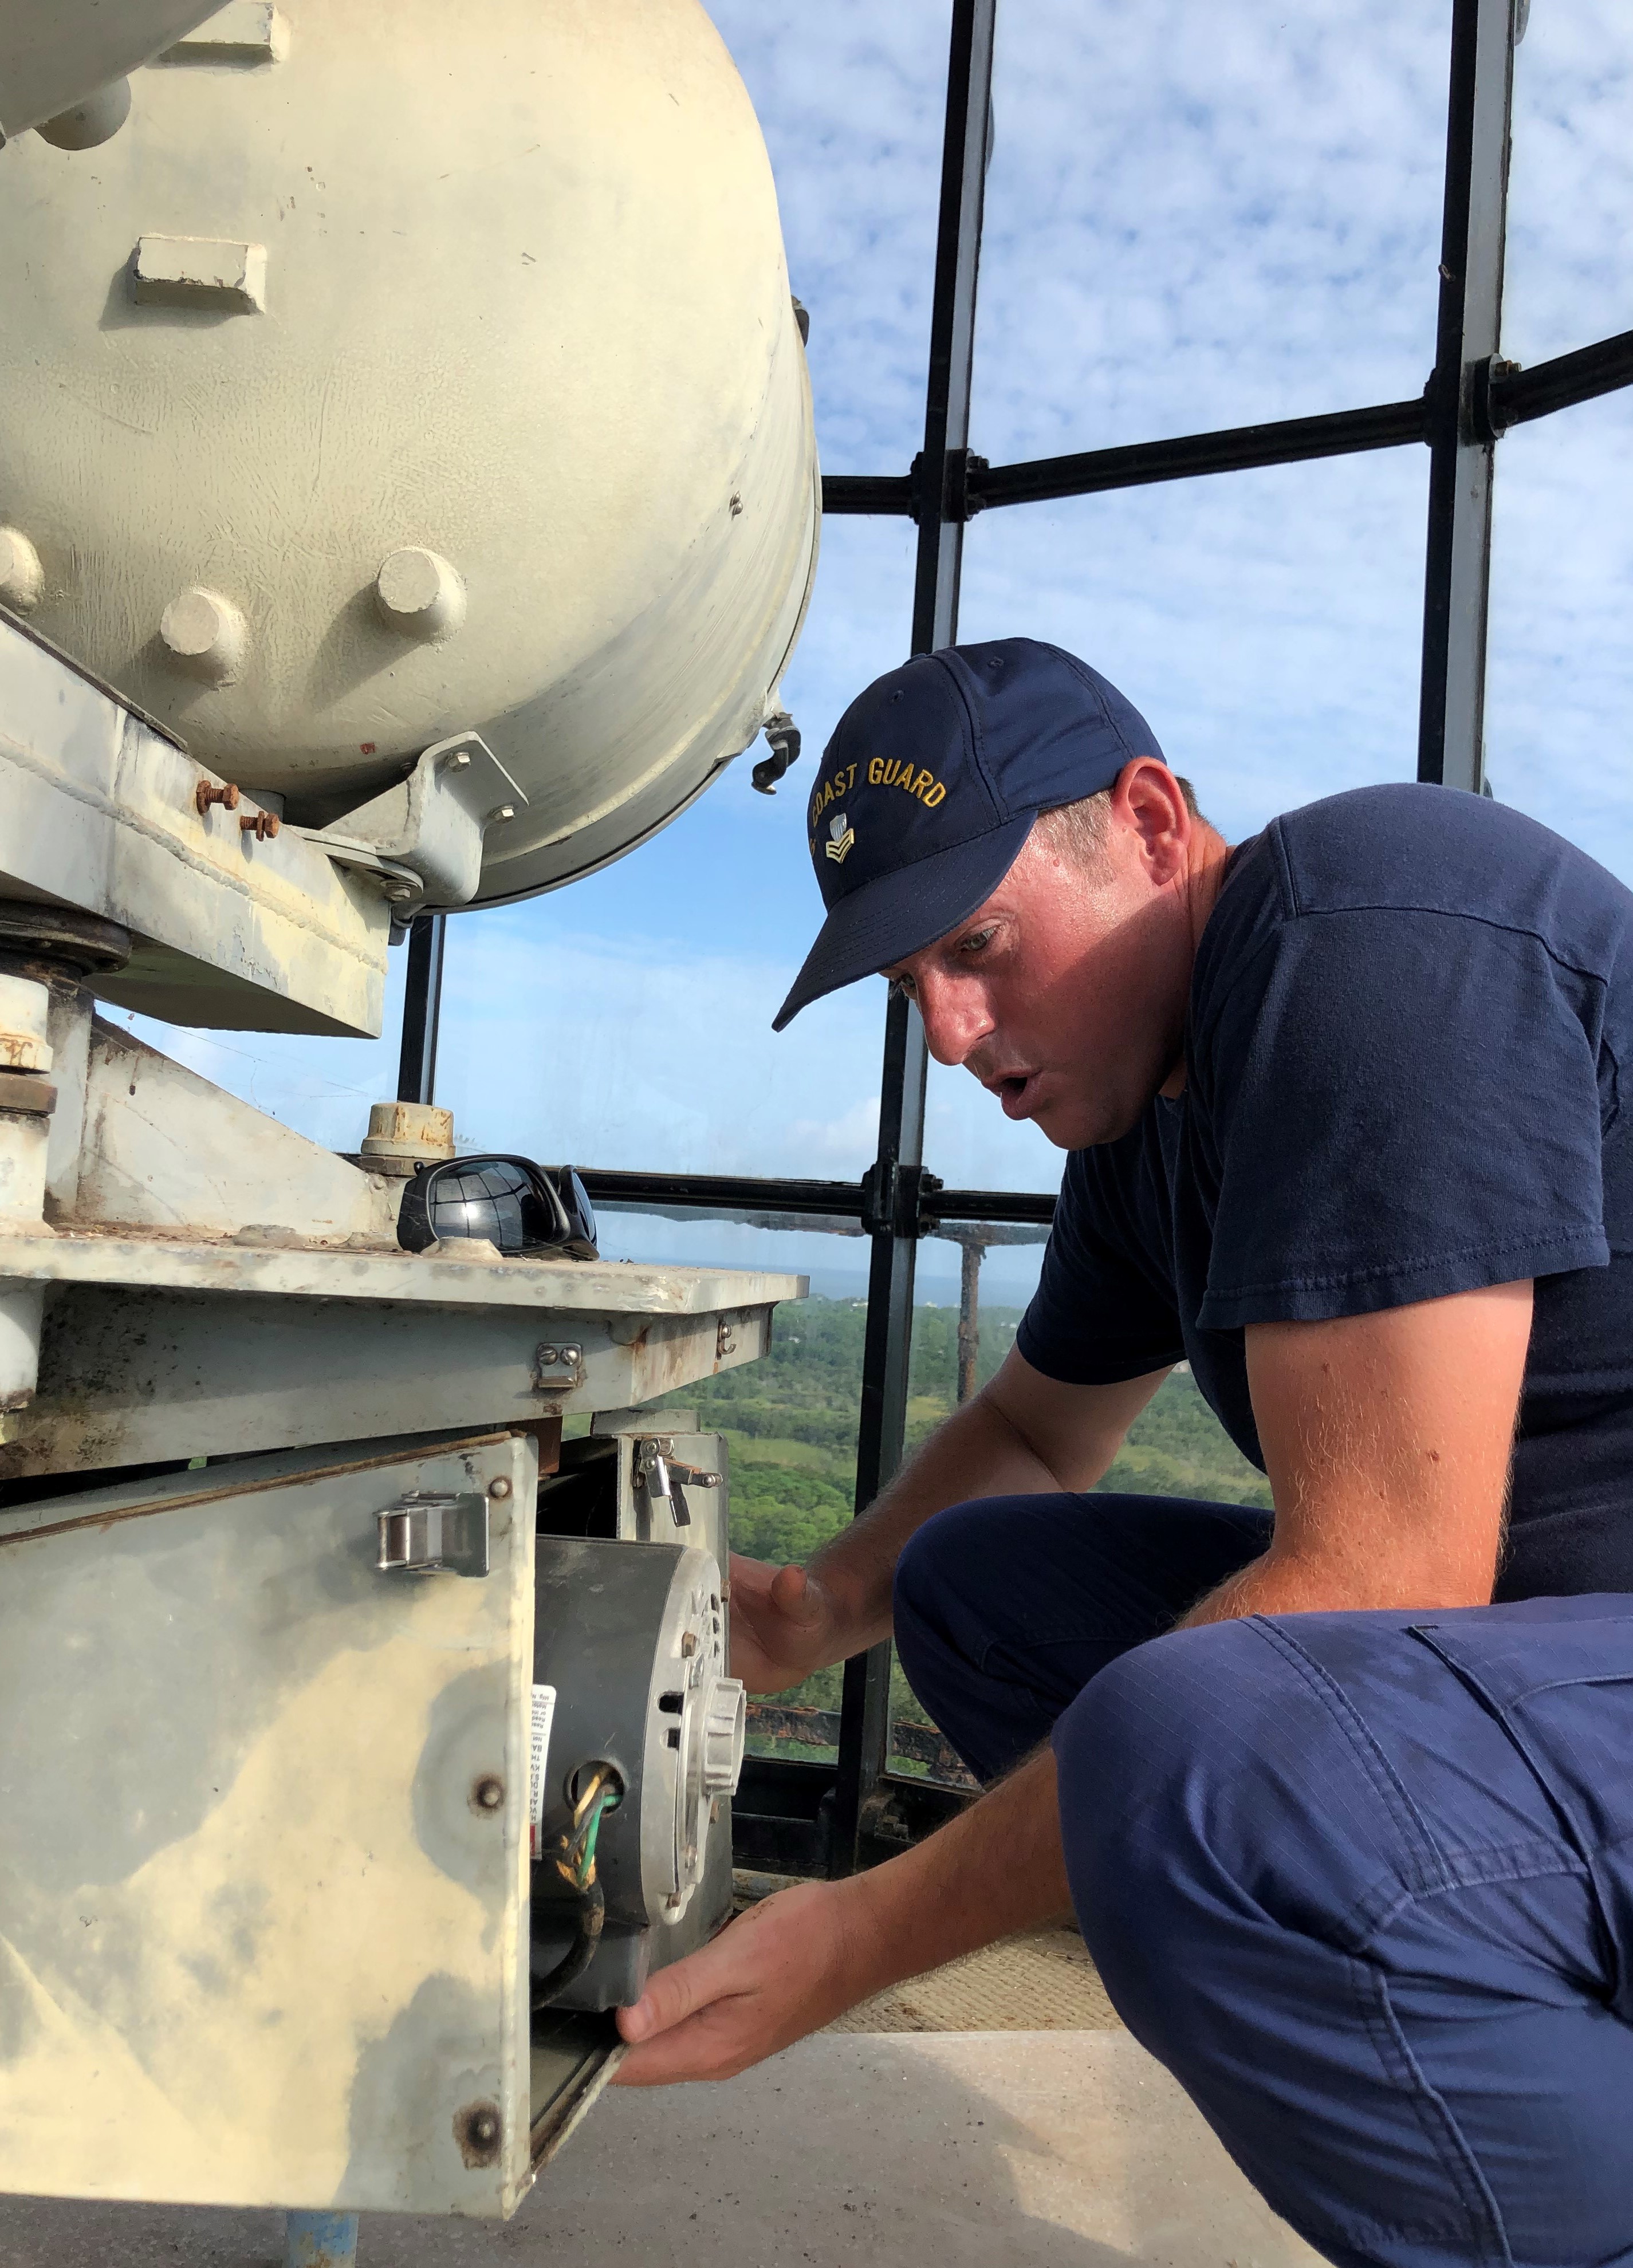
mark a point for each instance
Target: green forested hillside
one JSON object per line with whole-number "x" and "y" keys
{"x": 791, "y": 1422}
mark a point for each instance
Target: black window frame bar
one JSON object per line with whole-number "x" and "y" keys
{"x": 818, "y": 1819}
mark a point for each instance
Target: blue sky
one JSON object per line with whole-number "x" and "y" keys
{"x": 1196, "y": 216}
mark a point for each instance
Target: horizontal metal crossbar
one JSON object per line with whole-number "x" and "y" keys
{"x": 1516, "y": 395}
{"x": 1522, "y": 395}
{"x": 1240, "y": 448}
{"x": 707, "y": 1193}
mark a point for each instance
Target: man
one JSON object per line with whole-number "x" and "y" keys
{"x": 1352, "y": 1845}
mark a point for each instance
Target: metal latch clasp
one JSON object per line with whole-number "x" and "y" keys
{"x": 661, "y": 1473}
{"x": 423, "y": 1534}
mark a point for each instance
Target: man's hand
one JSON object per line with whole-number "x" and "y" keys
{"x": 782, "y": 1968}
{"x": 783, "y": 1626}
{"x": 792, "y": 1964}
{"x": 1022, "y": 1435}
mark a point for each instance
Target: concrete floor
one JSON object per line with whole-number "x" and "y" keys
{"x": 1051, "y": 2149}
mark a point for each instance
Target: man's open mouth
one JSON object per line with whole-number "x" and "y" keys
{"x": 1014, "y": 1091}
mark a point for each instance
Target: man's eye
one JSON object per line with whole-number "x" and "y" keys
{"x": 977, "y": 941}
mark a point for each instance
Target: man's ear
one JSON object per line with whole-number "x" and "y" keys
{"x": 1151, "y": 804}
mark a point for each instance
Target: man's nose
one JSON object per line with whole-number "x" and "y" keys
{"x": 955, "y": 1019}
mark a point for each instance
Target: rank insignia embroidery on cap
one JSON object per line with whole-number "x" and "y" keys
{"x": 842, "y": 834}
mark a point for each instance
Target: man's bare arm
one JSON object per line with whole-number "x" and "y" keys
{"x": 1387, "y": 1439}
{"x": 1022, "y": 1435}
{"x": 801, "y": 1958}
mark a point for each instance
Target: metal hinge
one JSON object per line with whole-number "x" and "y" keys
{"x": 423, "y": 1534}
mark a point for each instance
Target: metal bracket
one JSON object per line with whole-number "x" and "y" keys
{"x": 424, "y": 835}
{"x": 896, "y": 1206}
{"x": 426, "y": 1535}
{"x": 557, "y": 1367}
{"x": 1486, "y": 417}
{"x": 961, "y": 496}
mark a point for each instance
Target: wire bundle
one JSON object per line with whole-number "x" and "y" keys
{"x": 600, "y": 1790}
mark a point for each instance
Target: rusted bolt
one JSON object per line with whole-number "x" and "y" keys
{"x": 263, "y": 825}
{"x": 499, "y": 1489}
{"x": 477, "y": 2130}
{"x": 688, "y": 1645}
{"x": 488, "y": 1792}
{"x": 204, "y": 795}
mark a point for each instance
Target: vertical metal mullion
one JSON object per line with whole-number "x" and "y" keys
{"x": 1462, "y": 444}
{"x": 421, "y": 1010}
{"x": 864, "y": 1719}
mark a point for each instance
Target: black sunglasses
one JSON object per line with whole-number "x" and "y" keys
{"x": 516, "y": 1206}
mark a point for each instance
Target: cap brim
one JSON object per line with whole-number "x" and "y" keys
{"x": 898, "y": 915}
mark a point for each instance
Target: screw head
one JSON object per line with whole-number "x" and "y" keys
{"x": 499, "y": 1489}
{"x": 485, "y": 2129}
{"x": 488, "y": 1792}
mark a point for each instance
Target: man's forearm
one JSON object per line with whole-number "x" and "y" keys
{"x": 977, "y": 1451}
{"x": 1290, "y": 1581}
{"x": 796, "y": 1962}
{"x": 997, "y": 1868}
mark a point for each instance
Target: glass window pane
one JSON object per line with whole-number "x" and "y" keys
{"x": 1569, "y": 270}
{"x": 1559, "y": 702}
{"x": 321, "y": 1087}
{"x": 1201, "y": 215}
{"x": 851, "y": 99}
{"x": 1267, "y": 625}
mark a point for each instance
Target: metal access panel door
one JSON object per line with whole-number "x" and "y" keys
{"x": 263, "y": 1919}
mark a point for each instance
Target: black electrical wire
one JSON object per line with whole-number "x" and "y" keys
{"x": 590, "y": 1917}
{"x": 601, "y": 1789}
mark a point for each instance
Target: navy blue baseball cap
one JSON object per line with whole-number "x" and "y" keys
{"x": 929, "y": 787}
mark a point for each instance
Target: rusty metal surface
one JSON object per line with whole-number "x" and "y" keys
{"x": 133, "y": 1376}
{"x": 260, "y": 1943}
{"x": 102, "y": 817}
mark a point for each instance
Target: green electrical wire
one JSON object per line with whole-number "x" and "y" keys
{"x": 599, "y": 1795}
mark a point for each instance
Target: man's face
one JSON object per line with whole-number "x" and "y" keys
{"x": 1065, "y": 992}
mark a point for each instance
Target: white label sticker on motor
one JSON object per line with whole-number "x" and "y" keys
{"x": 538, "y": 1757}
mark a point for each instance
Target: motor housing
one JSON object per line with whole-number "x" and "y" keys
{"x": 632, "y": 1639}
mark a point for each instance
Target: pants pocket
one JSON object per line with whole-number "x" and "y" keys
{"x": 1563, "y": 1693}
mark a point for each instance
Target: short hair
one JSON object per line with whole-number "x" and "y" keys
{"x": 1077, "y": 831}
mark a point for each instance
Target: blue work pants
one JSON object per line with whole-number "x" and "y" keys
{"x": 1363, "y": 1883}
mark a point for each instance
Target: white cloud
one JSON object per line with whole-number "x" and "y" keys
{"x": 840, "y": 1147}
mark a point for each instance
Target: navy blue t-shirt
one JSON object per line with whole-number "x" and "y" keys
{"x": 1408, "y": 1018}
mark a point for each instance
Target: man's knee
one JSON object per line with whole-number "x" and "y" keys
{"x": 949, "y": 1559}
{"x": 1169, "y": 1813}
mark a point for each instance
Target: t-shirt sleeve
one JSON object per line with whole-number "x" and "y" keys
{"x": 1394, "y": 1106}
{"x": 1104, "y": 1309}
